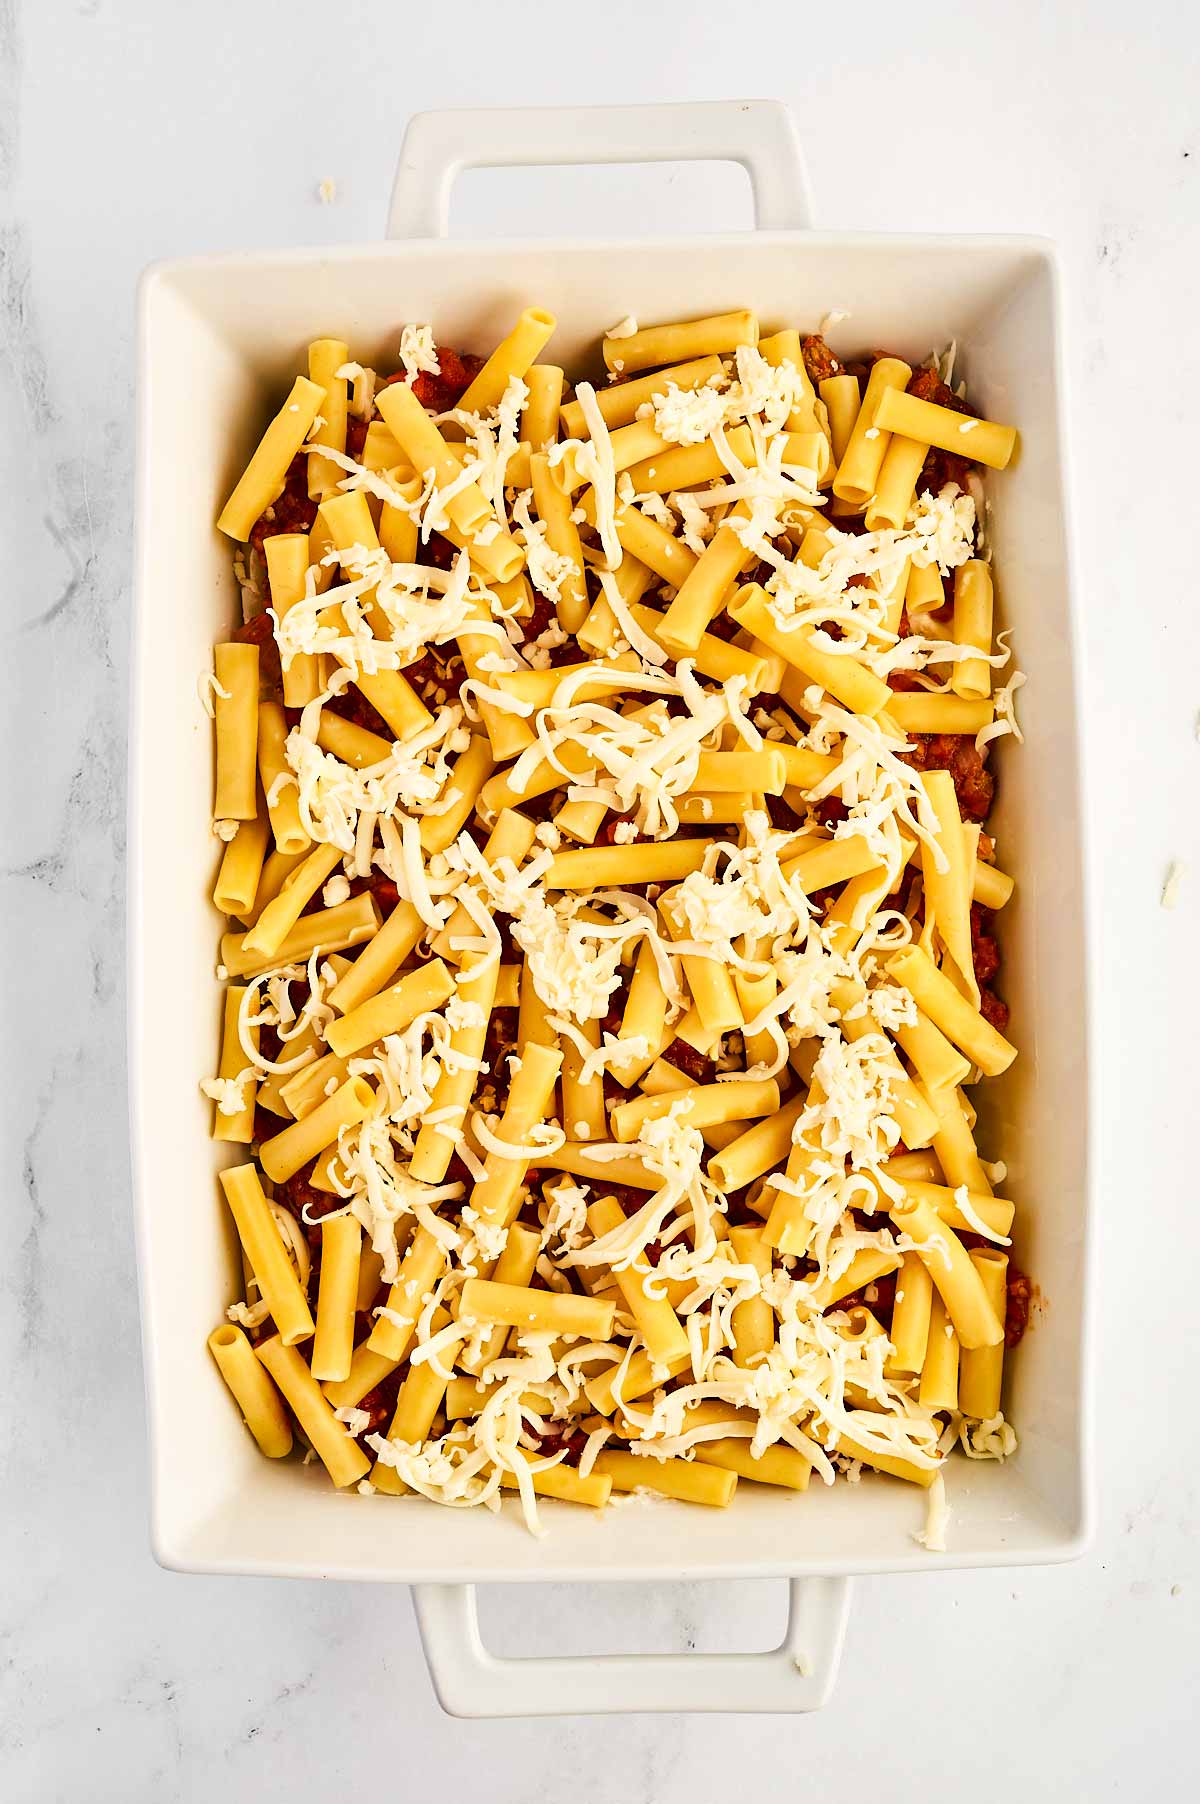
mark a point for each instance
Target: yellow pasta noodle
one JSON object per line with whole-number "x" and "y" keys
{"x": 390, "y": 1011}
{"x": 455, "y": 1087}
{"x": 326, "y": 356}
{"x": 954, "y": 1277}
{"x": 236, "y": 1126}
{"x": 655, "y": 345}
{"x": 932, "y": 991}
{"x": 939, "y": 1369}
{"x": 342, "y": 1457}
{"x": 263, "y": 479}
{"x": 241, "y": 866}
{"x": 981, "y": 1369}
{"x": 682, "y": 1479}
{"x": 333, "y": 1344}
{"x": 660, "y": 1328}
{"x": 983, "y": 441}
{"x": 619, "y": 405}
{"x": 395, "y": 1320}
{"x": 554, "y": 509}
{"x": 860, "y": 463}
{"x": 283, "y": 1155}
{"x": 858, "y": 688}
{"x": 536, "y": 1311}
{"x": 264, "y": 1248}
{"x": 235, "y": 709}
{"x": 255, "y": 1395}
{"x": 287, "y": 555}
{"x": 972, "y": 677}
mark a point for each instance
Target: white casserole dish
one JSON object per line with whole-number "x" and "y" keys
{"x": 218, "y": 340}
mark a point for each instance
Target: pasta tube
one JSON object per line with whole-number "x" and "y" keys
{"x": 981, "y": 1369}
{"x": 512, "y": 357}
{"x": 326, "y": 357}
{"x": 337, "y": 1295}
{"x": 283, "y": 1155}
{"x": 237, "y": 1127}
{"x": 685, "y": 1480}
{"x": 660, "y": 1328}
{"x": 342, "y": 1457}
{"x": 391, "y": 1011}
{"x": 287, "y": 555}
{"x": 972, "y": 677}
{"x": 955, "y": 1278}
{"x": 235, "y": 716}
{"x": 264, "y": 1248}
{"x": 983, "y": 441}
{"x": 262, "y": 481}
{"x": 395, "y": 1320}
{"x": 536, "y": 1311}
{"x": 655, "y": 345}
{"x": 442, "y": 1129}
{"x": 859, "y": 466}
{"x": 253, "y": 1392}
{"x": 932, "y": 991}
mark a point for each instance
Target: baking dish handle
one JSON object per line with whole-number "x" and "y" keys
{"x": 758, "y": 134}
{"x": 796, "y": 1676}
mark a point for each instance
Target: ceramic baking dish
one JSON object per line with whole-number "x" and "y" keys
{"x": 219, "y": 339}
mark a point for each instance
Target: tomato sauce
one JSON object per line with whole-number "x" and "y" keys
{"x": 686, "y": 1058}
{"x": 819, "y": 360}
{"x": 292, "y": 512}
{"x": 1018, "y": 1301}
{"x": 974, "y": 784}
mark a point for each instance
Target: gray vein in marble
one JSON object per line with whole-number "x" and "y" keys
{"x": 10, "y": 92}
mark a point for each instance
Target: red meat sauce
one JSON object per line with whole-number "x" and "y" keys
{"x": 686, "y": 1058}
{"x": 879, "y": 1297}
{"x": 444, "y": 391}
{"x": 292, "y": 511}
{"x": 1018, "y": 1301}
{"x": 941, "y": 467}
{"x": 819, "y": 360}
{"x": 974, "y": 784}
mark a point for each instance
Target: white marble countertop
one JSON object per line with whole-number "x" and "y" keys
{"x": 130, "y": 131}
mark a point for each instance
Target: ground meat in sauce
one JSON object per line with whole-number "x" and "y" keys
{"x": 832, "y": 811}
{"x": 630, "y": 1198}
{"x": 879, "y": 1296}
{"x": 380, "y": 1405}
{"x": 296, "y": 1195}
{"x": 293, "y": 511}
{"x": 352, "y": 705}
{"x": 819, "y": 360}
{"x": 1018, "y": 1300}
{"x": 606, "y": 834}
{"x": 685, "y": 1057}
{"x": 501, "y": 1036}
{"x": 356, "y": 437}
{"x": 994, "y": 1010}
{"x": 974, "y": 785}
{"x": 261, "y": 632}
{"x": 782, "y": 815}
{"x": 437, "y": 675}
{"x": 445, "y": 390}
{"x": 985, "y": 952}
{"x": 554, "y": 1438}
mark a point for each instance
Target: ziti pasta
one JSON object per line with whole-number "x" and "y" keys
{"x": 602, "y": 779}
